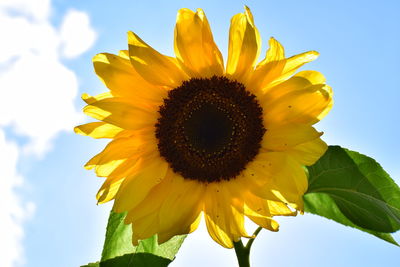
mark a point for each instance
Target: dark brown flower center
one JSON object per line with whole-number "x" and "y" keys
{"x": 209, "y": 129}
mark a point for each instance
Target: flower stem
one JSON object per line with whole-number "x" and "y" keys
{"x": 243, "y": 252}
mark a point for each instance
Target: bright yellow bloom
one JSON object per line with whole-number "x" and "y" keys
{"x": 191, "y": 137}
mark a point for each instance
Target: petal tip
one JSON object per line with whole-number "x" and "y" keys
{"x": 77, "y": 130}
{"x": 314, "y": 53}
{"x": 85, "y": 96}
{"x": 249, "y": 15}
{"x": 132, "y": 38}
{"x": 98, "y": 57}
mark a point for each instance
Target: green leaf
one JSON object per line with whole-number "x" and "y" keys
{"x": 354, "y": 190}
{"x": 118, "y": 237}
{"x": 119, "y": 251}
{"x": 94, "y": 264}
{"x": 136, "y": 260}
{"x": 323, "y": 205}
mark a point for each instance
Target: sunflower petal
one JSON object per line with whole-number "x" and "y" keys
{"x": 154, "y": 67}
{"x": 257, "y": 210}
{"x": 293, "y": 84}
{"x": 118, "y": 74}
{"x": 308, "y": 153}
{"x": 312, "y": 76}
{"x": 91, "y": 99}
{"x": 194, "y": 44}
{"x": 116, "y": 153}
{"x": 108, "y": 191}
{"x": 287, "y": 136}
{"x": 173, "y": 193}
{"x": 98, "y": 130}
{"x": 188, "y": 228}
{"x": 186, "y": 197}
{"x": 144, "y": 228}
{"x": 283, "y": 178}
{"x": 154, "y": 199}
{"x": 270, "y": 73}
{"x": 121, "y": 113}
{"x": 225, "y": 223}
{"x": 306, "y": 106}
{"x": 275, "y": 60}
{"x": 135, "y": 188}
{"x": 275, "y": 51}
{"x": 244, "y": 46}
{"x": 277, "y": 208}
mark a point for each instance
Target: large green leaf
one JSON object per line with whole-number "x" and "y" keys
{"x": 118, "y": 250}
{"x": 354, "y": 190}
{"x": 323, "y": 205}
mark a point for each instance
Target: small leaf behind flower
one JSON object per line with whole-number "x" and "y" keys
{"x": 118, "y": 250}
{"x": 354, "y": 190}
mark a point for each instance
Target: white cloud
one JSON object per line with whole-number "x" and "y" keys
{"x": 37, "y": 99}
{"x": 33, "y": 9}
{"x": 13, "y": 211}
{"x": 76, "y": 34}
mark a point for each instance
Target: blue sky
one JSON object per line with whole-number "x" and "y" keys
{"x": 51, "y": 216}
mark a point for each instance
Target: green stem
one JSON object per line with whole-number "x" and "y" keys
{"x": 243, "y": 252}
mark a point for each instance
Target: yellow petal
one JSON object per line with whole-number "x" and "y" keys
{"x": 275, "y": 59}
{"x": 295, "y": 62}
{"x": 144, "y": 228}
{"x": 244, "y": 46}
{"x": 98, "y": 130}
{"x": 284, "y": 178}
{"x": 151, "y": 204}
{"x": 225, "y": 223}
{"x": 306, "y": 106}
{"x": 259, "y": 207}
{"x": 277, "y": 208}
{"x": 308, "y": 153}
{"x": 118, "y": 74}
{"x": 295, "y": 83}
{"x": 275, "y": 51}
{"x": 165, "y": 236}
{"x": 146, "y": 213}
{"x": 270, "y": 73}
{"x": 257, "y": 210}
{"x": 124, "y": 54}
{"x": 123, "y": 114}
{"x": 91, "y": 99}
{"x": 154, "y": 67}
{"x": 108, "y": 191}
{"x": 116, "y": 153}
{"x": 172, "y": 194}
{"x": 194, "y": 44}
{"x": 135, "y": 188}
{"x": 116, "y": 172}
{"x": 287, "y": 136}
{"x": 312, "y": 76}
{"x": 186, "y": 196}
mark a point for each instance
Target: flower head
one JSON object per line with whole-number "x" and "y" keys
{"x": 192, "y": 137}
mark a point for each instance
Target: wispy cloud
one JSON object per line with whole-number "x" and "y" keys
{"x": 37, "y": 99}
{"x": 13, "y": 211}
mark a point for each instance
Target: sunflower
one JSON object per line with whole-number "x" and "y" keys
{"x": 191, "y": 137}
